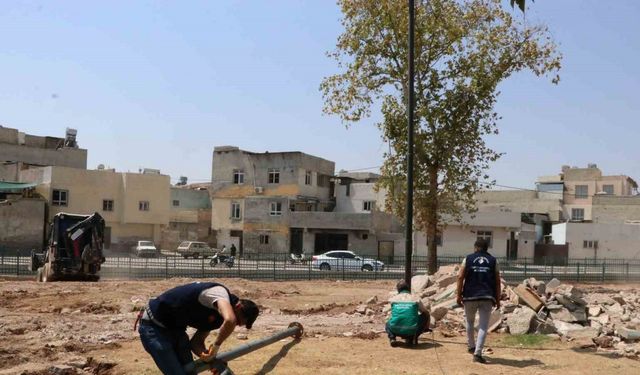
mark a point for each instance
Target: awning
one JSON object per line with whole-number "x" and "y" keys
{"x": 15, "y": 187}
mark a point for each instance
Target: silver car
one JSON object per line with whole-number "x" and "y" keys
{"x": 194, "y": 249}
{"x": 345, "y": 260}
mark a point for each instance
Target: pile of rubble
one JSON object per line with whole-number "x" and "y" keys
{"x": 607, "y": 320}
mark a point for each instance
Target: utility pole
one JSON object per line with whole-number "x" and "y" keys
{"x": 410, "y": 105}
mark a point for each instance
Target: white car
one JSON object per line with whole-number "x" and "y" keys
{"x": 345, "y": 260}
{"x": 195, "y": 249}
{"x": 146, "y": 249}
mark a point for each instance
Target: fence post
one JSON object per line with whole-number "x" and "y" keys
{"x": 552, "y": 270}
{"x": 274, "y": 266}
{"x": 578, "y": 272}
{"x": 129, "y": 266}
{"x": 18, "y": 264}
{"x": 309, "y": 263}
{"x": 342, "y": 268}
{"x": 166, "y": 267}
{"x": 202, "y": 266}
{"x": 627, "y": 271}
{"x": 525, "y": 268}
{"x": 603, "y": 270}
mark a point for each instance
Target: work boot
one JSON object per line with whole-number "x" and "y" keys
{"x": 471, "y": 350}
{"x": 394, "y": 343}
{"x": 479, "y": 359}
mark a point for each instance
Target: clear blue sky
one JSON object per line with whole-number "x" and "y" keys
{"x": 159, "y": 84}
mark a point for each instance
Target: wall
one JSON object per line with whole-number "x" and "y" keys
{"x": 65, "y": 157}
{"x": 607, "y": 209}
{"x": 521, "y": 201}
{"x": 189, "y": 198}
{"x": 615, "y": 241}
{"x": 22, "y": 224}
{"x": 359, "y": 192}
{"x": 458, "y": 241}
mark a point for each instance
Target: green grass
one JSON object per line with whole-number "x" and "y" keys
{"x": 526, "y": 340}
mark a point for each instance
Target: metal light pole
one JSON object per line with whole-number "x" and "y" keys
{"x": 410, "y": 104}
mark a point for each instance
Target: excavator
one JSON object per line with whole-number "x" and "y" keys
{"x": 73, "y": 250}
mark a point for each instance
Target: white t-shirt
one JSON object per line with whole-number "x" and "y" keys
{"x": 209, "y": 297}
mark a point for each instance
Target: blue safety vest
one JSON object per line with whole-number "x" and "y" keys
{"x": 480, "y": 277}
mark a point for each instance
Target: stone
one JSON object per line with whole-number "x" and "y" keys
{"x": 604, "y": 341}
{"x": 625, "y": 318}
{"x": 529, "y": 297}
{"x": 566, "y": 302}
{"x": 369, "y": 312}
{"x": 508, "y": 308}
{"x": 430, "y": 291}
{"x": 586, "y": 332}
{"x": 554, "y": 336}
{"x": 584, "y": 343}
{"x": 439, "y": 312}
{"x": 495, "y": 320}
{"x": 553, "y": 285}
{"x": 419, "y": 283}
{"x": 628, "y": 334}
{"x": 242, "y": 336}
{"x": 347, "y": 334}
{"x": 564, "y": 328}
{"x": 618, "y": 298}
{"x": 448, "y": 293}
{"x": 554, "y": 306}
{"x": 386, "y": 308}
{"x": 600, "y": 299}
{"x": 545, "y": 327}
{"x": 372, "y": 301}
{"x": 615, "y": 309}
{"x": 565, "y": 315}
{"x": 519, "y": 322}
{"x": 451, "y": 269}
{"x": 447, "y": 280}
{"x": 78, "y": 362}
{"x": 361, "y": 309}
{"x": 541, "y": 289}
{"x": 595, "y": 310}
{"x": 61, "y": 370}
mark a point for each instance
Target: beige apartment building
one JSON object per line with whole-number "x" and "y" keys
{"x": 135, "y": 206}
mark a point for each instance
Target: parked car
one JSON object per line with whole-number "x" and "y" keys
{"x": 195, "y": 249}
{"x": 146, "y": 249}
{"x": 344, "y": 259}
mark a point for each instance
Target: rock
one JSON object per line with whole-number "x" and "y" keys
{"x": 544, "y": 327}
{"x": 541, "y": 289}
{"x": 586, "y": 332}
{"x": 495, "y": 320}
{"x": 565, "y": 315}
{"x": 625, "y": 318}
{"x": 595, "y": 310}
{"x": 448, "y": 293}
{"x": 508, "y": 308}
{"x": 628, "y": 334}
{"x": 618, "y": 298}
{"x": 61, "y": 370}
{"x": 564, "y": 328}
{"x": 439, "y": 312}
{"x": 446, "y": 281}
{"x": 430, "y": 291}
{"x": 242, "y": 336}
{"x": 554, "y": 336}
{"x": 369, "y": 312}
{"x": 361, "y": 309}
{"x": 584, "y": 343}
{"x": 552, "y": 286}
{"x": 373, "y": 300}
{"x": 65, "y": 310}
{"x": 419, "y": 283}
{"x": 79, "y": 362}
{"x": 520, "y": 321}
{"x": 553, "y": 306}
{"x": 347, "y": 334}
{"x": 451, "y": 269}
{"x": 566, "y": 302}
{"x": 600, "y": 299}
{"x": 615, "y": 309}
{"x": 386, "y": 308}
{"x": 604, "y": 341}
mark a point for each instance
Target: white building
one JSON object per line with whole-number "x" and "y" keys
{"x": 599, "y": 240}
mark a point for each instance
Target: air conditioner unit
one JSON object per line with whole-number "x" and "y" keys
{"x": 259, "y": 189}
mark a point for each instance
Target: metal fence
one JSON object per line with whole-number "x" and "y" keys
{"x": 278, "y": 266}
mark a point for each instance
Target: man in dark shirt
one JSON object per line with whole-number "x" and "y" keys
{"x": 478, "y": 290}
{"x": 205, "y": 306}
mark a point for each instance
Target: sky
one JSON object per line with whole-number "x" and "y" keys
{"x": 159, "y": 84}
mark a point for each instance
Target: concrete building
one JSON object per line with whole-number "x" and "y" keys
{"x": 20, "y": 151}
{"x": 616, "y": 210}
{"x": 254, "y": 197}
{"x": 135, "y": 206}
{"x": 189, "y": 217}
{"x": 497, "y": 227}
{"x": 22, "y": 218}
{"x": 599, "y": 240}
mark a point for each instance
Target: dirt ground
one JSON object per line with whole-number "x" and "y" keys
{"x": 89, "y": 326}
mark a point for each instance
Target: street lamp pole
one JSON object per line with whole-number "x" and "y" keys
{"x": 410, "y": 109}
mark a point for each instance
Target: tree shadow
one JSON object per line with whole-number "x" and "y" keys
{"x": 273, "y": 361}
{"x": 514, "y": 362}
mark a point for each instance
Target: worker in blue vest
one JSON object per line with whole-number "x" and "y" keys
{"x": 205, "y": 306}
{"x": 478, "y": 290}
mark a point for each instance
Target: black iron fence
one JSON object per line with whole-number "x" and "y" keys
{"x": 280, "y": 266}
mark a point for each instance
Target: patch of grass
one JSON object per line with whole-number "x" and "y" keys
{"x": 526, "y": 340}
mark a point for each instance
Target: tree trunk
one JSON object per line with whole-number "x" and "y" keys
{"x": 432, "y": 221}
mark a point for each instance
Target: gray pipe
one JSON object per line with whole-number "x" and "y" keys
{"x": 220, "y": 363}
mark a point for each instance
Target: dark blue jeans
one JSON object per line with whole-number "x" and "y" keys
{"x": 423, "y": 325}
{"x": 169, "y": 349}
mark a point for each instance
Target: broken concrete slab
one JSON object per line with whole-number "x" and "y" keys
{"x": 584, "y": 333}
{"x": 628, "y": 334}
{"x": 419, "y": 283}
{"x": 439, "y": 312}
{"x": 529, "y": 297}
{"x": 577, "y": 316}
{"x": 519, "y": 322}
{"x": 451, "y": 269}
{"x": 604, "y": 341}
{"x": 618, "y": 298}
{"x": 595, "y": 310}
{"x": 446, "y": 294}
{"x": 553, "y": 285}
{"x": 446, "y": 281}
{"x": 545, "y": 327}
{"x": 564, "y": 328}
{"x": 615, "y": 309}
{"x": 566, "y": 302}
{"x": 599, "y": 299}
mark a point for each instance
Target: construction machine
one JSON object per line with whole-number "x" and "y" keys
{"x": 73, "y": 250}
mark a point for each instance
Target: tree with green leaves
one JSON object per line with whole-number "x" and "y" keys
{"x": 463, "y": 50}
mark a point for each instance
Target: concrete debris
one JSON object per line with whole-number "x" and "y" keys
{"x": 602, "y": 319}
{"x": 372, "y": 301}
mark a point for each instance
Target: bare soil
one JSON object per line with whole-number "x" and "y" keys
{"x": 89, "y": 327}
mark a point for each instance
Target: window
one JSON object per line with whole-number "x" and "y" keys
{"x": 590, "y": 244}
{"x": 143, "y": 206}
{"x": 274, "y": 176}
{"x": 307, "y": 178}
{"x": 608, "y": 189}
{"x": 276, "y": 209}
{"x": 235, "y": 210}
{"x": 582, "y": 191}
{"x": 577, "y": 214}
{"x": 264, "y": 239}
{"x": 60, "y": 198}
{"x": 484, "y": 235}
{"x": 238, "y": 176}
{"x": 368, "y": 205}
{"x": 107, "y": 205}
{"x": 176, "y": 203}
